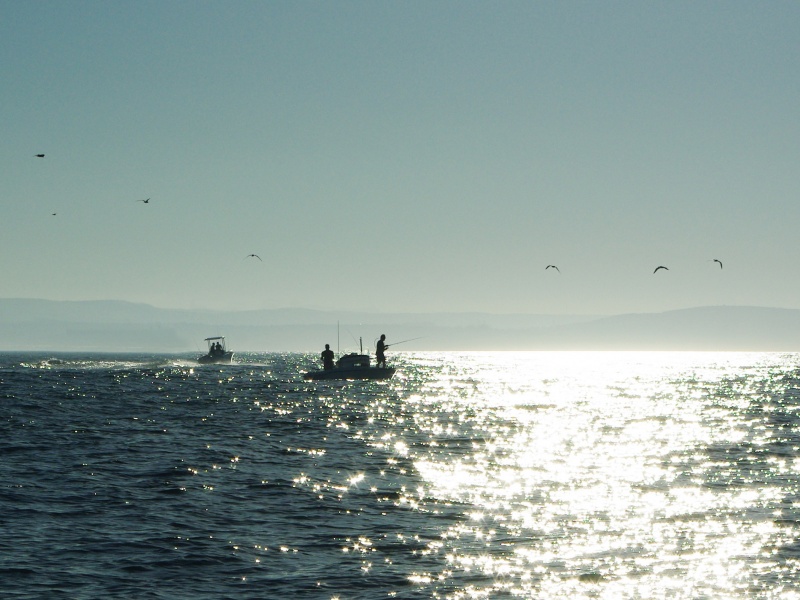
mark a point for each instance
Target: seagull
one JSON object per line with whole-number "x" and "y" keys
{"x": 552, "y": 267}
{"x": 145, "y": 201}
{"x": 255, "y": 256}
{"x": 39, "y": 155}
{"x": 661, "y": 267}
{"x": 716, "y": 260}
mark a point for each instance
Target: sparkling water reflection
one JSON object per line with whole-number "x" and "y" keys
{"x": 475, "y": 475}
{"x": 587, "y": 475}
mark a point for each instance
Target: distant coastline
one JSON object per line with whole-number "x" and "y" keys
{"x": 119, "y": 326}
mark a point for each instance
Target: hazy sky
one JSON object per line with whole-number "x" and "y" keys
{"x": 402, "y": 156}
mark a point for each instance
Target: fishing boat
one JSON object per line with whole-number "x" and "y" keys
{"x": 218, "y": 353}
{"x": 352, "y": 366}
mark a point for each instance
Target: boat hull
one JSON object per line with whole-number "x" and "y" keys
{"x": 221, "y": 359}
{"x": 372, "y": 373}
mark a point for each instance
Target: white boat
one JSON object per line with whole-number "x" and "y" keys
{"x": 352, "y": 366}
{"x": 218, "y": 353}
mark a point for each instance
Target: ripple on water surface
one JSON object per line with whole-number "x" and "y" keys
{"x": 475, "y": 475}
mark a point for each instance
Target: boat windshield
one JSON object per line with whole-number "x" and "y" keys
{"x": 216, "y": 344}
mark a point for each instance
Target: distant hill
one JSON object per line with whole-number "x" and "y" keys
{"x": 740, "y": 328}
{"x": 117, "y": 326}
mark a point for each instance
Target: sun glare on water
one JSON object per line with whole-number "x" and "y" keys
{"x": 603, "y": 475}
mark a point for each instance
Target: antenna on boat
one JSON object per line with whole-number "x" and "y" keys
{"x": 338, "y": 351}
{"x": 360, "y": 345}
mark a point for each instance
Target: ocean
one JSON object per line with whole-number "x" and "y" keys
{"x": 546, "y": 475}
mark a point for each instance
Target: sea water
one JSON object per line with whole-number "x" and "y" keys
{"x": 552, "y": 475}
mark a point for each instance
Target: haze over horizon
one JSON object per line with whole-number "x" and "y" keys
{"x": 69, "y": 326}
{"x": 408, "y": 157}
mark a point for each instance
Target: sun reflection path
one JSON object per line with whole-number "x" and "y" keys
{"x": 606, "y": 475}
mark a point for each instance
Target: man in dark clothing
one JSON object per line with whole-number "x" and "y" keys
{"x": 380, "y": 349}
{"x": 327, "y": 357}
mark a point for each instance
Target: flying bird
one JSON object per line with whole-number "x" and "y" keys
{"x": 661, "y": 267}
{"x": 254, "y": 256}
{"x": 147, "y": 201}
{"x": 716, "y": 260}
{"x": 39, "y": 155}
{"x": 552, "y": 267}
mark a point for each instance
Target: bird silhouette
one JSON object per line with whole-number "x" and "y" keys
{"x": 661, "y": 267}
{"x": 39, "y": 155}
{"x": 552, "y": 267}
{"x": 716, "y": 260}
{"x": 147, "y": 201}
{"x": 254, "y": 256}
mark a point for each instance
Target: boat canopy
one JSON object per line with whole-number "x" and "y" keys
{"x": 213, "y": 340}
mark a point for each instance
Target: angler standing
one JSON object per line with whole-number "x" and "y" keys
{"x": 380, "y": 347}
{"x": 327, "y": 358}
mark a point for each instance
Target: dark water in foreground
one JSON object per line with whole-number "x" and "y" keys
{"x": 481, "y": 475}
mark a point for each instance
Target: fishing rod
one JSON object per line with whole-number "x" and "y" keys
{"x": 350, "y": 333}
{"x": 404, "y": 341}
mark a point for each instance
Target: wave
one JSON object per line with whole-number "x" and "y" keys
{"x": 90, "y": 363}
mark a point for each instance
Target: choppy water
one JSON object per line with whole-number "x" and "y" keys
{"x": 481, "y": 475}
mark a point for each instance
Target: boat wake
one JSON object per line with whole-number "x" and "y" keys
{"x": 89, "y": 364}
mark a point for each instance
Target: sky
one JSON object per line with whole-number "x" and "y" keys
{"x": 401, "y": 156}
